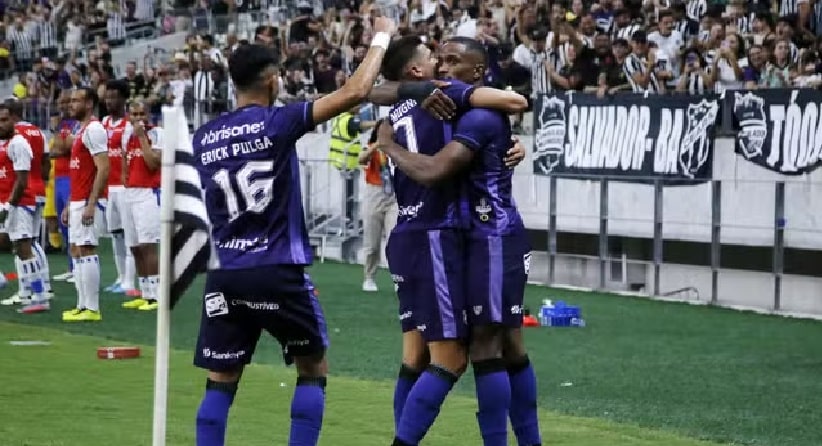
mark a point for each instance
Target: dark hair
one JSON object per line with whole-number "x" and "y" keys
{"x": 121, "y": 87}
{"x": 14, "y": 107}
{"x": 91, "y": 95}
{"x": 208, "y": 39}
{"x": 473, "y": 46}
{"x": 247, "y": 63}
{"x": 399, "y": 53}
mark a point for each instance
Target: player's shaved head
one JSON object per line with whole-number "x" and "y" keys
{"x": 407, "y": 58}
{"x": 463, "y": 59}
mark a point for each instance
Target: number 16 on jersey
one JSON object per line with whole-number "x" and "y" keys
{"x": 254, "y": 188}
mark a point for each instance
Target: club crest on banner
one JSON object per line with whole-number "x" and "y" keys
{"x": 753, "y": 128}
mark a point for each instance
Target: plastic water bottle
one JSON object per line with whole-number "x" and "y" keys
{"x": 3, "y": 280}
{"x": 545, "y": 313}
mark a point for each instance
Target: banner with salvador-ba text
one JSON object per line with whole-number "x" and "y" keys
{"x": 632, "y": 136}
{"x": 780, "y": 130}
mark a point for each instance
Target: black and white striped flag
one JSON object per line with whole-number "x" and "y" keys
{"x": 190, "y": 247}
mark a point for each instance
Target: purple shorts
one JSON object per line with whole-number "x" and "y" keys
{"x": 239, "y": 304}
{"x": 428, "y": 269}
{"x": 497, "y": 270}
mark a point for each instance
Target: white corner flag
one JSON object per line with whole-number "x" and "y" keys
{"x": 184, "y": 245}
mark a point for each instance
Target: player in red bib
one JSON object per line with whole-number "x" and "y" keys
{"x": 19, "y": 202}
{"x": 141, "y": 216}
{"x": 38, "y": 178}
{"x": 84, "y": 215}
{"x": 118, "y": 127}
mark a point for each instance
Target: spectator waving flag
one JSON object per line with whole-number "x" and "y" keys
{"x": 184, "y": 246}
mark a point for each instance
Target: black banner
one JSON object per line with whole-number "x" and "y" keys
{"x": 781, "y": 130}
{"x": 631, "y": 135}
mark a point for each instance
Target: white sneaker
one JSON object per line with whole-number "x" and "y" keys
{"x": 369, "y": 286}
{"x": 15, "y": 299}
{"x": 70, "y": 279}
{"x": 48, "y": 295}
{"x": 63, "y": 277}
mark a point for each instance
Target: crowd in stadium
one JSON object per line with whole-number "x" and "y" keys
{"x": 537, "y": 47}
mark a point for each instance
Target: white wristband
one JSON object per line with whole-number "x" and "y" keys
{"x": 381, "y": 39}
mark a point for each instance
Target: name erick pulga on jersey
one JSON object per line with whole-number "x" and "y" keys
{"x": 237, "y": 148}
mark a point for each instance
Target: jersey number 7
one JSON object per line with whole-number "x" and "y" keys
{"x": 405, "y": 123}
{"x": 255, "y": 193}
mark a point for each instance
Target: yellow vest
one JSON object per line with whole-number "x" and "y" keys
{"x": 345, "y": 148}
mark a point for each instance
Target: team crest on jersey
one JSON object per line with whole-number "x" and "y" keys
{"x": 477, "y": 310}
{"x": 483, "y": 209}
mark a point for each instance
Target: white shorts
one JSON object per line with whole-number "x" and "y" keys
{"x": 20, "y": 223}
{"x": 114, "y": 208}
{"x": 141, "y": 217}
{"x": 80, "y": 234}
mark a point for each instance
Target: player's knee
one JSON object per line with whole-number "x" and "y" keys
{"x": 486, "y": 342}
{"x": 87, "y": 250}
{"x": 414, "y": 351}
{"x": 513, "y": 346}
{"x": 311, "y": 366}
{"x": 224, "y": 379}
{"x": 450, "y": 355}
{"x": 416, "y": 360}
{"x": 22, "y": 248}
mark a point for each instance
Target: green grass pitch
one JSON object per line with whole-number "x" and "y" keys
{"x": 640, "y": 373}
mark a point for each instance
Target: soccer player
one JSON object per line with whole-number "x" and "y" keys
{"x": 141, "y": 203}
{"x": 425, "y": 251}
{"x": 248, "y": 165}
{"x": 497, "y": 250}
{"x": 117, "y": 125}
{"x": 19, "y": 208}
{"x": 60, "y": 153}
{"x": 40, "y": 169}
{"x": 85, "y": 212}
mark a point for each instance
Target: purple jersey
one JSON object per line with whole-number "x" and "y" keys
{"x": 248, "y": 166}
{"x": 491, "y": 203}
{"x": 420, "y": 207}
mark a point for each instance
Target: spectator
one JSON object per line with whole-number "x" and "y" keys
{"x": 729, "y": 64}
{"x": 756, "y": 63}
{"x": 694, "y": 78}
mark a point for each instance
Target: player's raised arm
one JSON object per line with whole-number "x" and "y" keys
{"x": 356, "y": 88}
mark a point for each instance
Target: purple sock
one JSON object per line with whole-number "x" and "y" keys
{"x": 523, "y": 413}
{"x": 307, "y": 409}
{"x": 423, "y": 404}
{"x": 212, "y": 416}
{"x": 405, "y": 382}
{"x": 493, "y": 398}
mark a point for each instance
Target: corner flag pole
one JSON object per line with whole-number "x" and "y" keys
{"x": 171, "y": 141}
